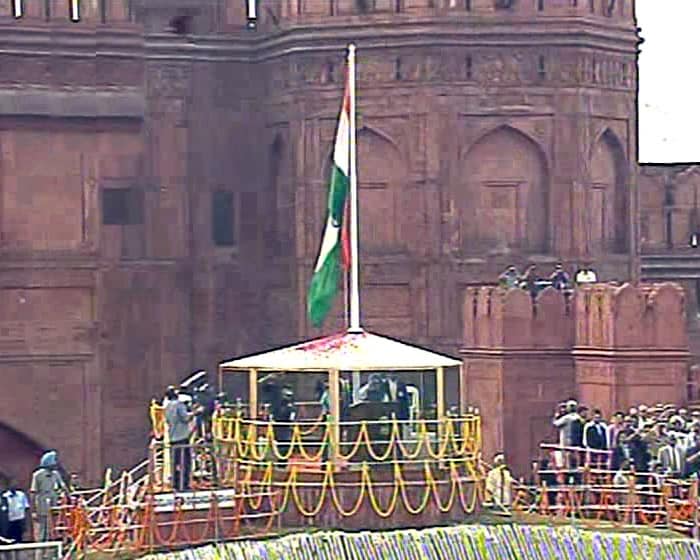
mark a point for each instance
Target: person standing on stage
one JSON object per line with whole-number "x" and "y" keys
{"x": 177, "y": 419}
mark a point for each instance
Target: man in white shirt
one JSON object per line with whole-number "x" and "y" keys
{"x": 565, "y": 423}
{"x": 17, "y": 506}
{"x": 499, "y": 484}
{"x": 614, "y": 428}
{"x": 672, "y": 458}
{"x": 586, "y": 275}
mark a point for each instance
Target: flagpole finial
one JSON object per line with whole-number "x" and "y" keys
{"x": 351, "y": 49}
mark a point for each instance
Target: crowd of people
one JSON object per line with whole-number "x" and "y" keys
{"x": 661, "y": 440}
{"x": 653, "y": 444}
{"x": 559, "y": 279}
{"x": 16, "y": 509}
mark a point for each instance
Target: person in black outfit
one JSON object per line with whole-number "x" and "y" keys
{"x": 578, "y": 457}
{"x": 282, "y": 415}
{"x": 692, "y": 461}
{"x": 560, "y": 278}
{"x": 639, "y": 452}
{"x": 205, "y": 399}
{"x": 577, "y": 427}
{"x": 528, "y": 281}
{"x": 398, "y": 392}
{"x": 374, "y": 390}
{"x": 271, "y": 392}
{"x": 595, "y": 437}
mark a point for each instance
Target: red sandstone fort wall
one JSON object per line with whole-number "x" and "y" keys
{"x": 631, "y": 345}
{"x": 518, "y": 364}
{"x": 610, "y": 347}
{"x": 476, "y": 151}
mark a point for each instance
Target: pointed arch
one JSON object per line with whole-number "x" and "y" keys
{"x": 503, "y": 124}
{"x": 503, "y": 193}
{"x": 20, "y": 454}
{"x": 280, "y": 229}
{"x": 372, "y": 129}
{"x": 381, "y": 178}
{"x": 608, "y": 195}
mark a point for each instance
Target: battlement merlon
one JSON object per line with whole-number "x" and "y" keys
{"x": 604, "y": 316}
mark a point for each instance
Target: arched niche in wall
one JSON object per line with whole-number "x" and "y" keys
{"x": 278, "y": 230}
{"x": 502, "y": 197}
{"x": 381, "y": 180}
{"x": 608, "y": 196}
{"x": 381, "y": 177}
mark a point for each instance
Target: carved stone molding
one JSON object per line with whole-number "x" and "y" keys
{"x": 175, "y": 110}
{"x": 489, "y": 68}
{"x": 607, "y": 72}
{"x": 119, "y": 72}
{"x": 500, "y": 68}
{"x": 568, "y": 70}
{"x": 168, "y": 80}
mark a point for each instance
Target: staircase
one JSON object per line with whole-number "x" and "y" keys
{"x": 671, "y": 266}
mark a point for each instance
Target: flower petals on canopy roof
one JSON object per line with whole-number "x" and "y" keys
{"x": 345, "y": 352}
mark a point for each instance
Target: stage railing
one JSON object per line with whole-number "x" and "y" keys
{"x": 359, "y": 442}
{"x": 319, "y": 467}
{"x": 165, "y": 522}
{"x": 415, "y": 486}
{"x": 316, "y": 466}
{"x": 580, "y": 485}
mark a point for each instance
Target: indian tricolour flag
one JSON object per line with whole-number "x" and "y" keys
{"x": 335, "y": 246}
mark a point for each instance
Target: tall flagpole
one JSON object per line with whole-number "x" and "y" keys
{"x": 354, "y": 204}
{"x": 346, "y": 297}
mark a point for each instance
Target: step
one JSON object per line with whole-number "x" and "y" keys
{"x": 671, "y": 266}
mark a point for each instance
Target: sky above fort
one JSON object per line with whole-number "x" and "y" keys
{"x": 669, "y": 81}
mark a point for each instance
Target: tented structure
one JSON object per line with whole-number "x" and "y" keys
{"x": 344, "y": 352}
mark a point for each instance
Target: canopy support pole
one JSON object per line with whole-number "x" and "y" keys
{"x": 462, "y": 390}
{"x": 334, "y": 393}
{"x": 253, "y": 390}
{"x": 356, "y": 384}
{"x": 440, "y": 390}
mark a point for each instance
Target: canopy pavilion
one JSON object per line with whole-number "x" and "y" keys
{"x": 344, "y": 352}
{"x": 350, "y": 353}
{"x": 367, "y": 462}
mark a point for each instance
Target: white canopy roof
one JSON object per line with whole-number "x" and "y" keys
{"x": 346, "y": 352}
